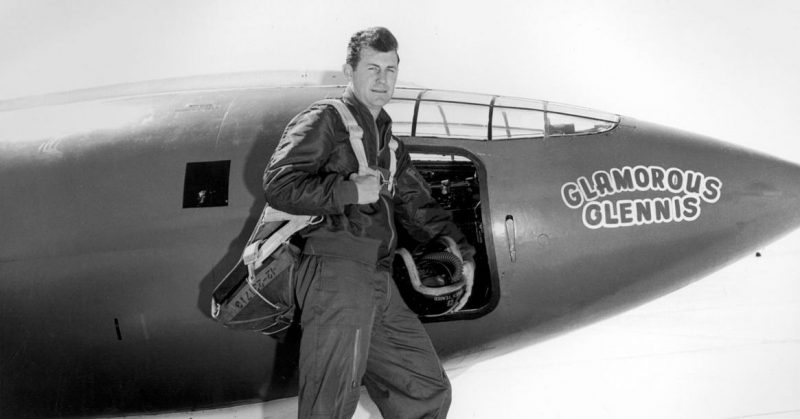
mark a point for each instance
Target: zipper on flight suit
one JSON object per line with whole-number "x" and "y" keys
{"x": 356, "y": 355}
{"x": 378, "y": 135}
{"x": 389, "y": 215}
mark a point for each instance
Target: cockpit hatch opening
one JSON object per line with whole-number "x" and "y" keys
{"x": 455, "y": 181}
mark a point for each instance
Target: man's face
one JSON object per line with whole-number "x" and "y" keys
{"x": 373, "y": 78}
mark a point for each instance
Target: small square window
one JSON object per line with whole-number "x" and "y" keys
{"x": 206, "y": 184}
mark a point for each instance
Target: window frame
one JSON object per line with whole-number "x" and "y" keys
{"x": 492, "y": 102}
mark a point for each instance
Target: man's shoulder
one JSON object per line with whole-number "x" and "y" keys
{"x": 335, "y": 108}
{"x": 320, "y": 110}
{"x": 319, "y": 116}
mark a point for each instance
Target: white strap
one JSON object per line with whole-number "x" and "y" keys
{"x": 268, "y": 246}
{"x": 271, "y": 214}
{"x": 356, "y": 133}
{"x": 392, "y": 162}
{"x": 256, "y": 252}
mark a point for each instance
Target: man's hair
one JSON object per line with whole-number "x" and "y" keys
{"x": 377, "y": 38}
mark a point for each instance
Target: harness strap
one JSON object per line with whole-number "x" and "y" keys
{"x": 356, "y": 134}
{"x": 355, "y": 131}
{"x": 392, "y": 163}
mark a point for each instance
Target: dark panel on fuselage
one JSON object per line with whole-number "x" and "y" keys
{"x": 206, "y": 184}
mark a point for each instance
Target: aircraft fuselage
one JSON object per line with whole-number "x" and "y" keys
{"x": 120, "y": 215}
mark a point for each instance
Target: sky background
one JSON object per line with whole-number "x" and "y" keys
{"x": 727, "y": 69}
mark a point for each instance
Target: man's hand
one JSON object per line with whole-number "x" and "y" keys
{"x": 368, "y": 185}
{"x": 469, "y": 280}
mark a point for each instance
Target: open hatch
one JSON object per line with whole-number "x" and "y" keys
{"x": 455, "y": 182}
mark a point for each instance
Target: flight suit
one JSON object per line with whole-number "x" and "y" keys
{"x": 356, "y": 327}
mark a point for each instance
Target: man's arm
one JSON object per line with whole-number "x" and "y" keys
{"x": 425, "y": 219}
{"x": 295, "y": 180}
{"x": 419, "y": 212}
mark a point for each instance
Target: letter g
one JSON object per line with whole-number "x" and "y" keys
{"x": 571, "y": 195}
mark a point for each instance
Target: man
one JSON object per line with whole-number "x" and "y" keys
{"x": 356, "y": 327}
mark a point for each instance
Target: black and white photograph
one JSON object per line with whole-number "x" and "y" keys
{"x": 421, "y": 209}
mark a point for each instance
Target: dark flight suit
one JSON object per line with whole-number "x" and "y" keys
{"x": 356, "y": 327}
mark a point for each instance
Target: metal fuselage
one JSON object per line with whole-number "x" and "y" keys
{"x": 106, "y": 275}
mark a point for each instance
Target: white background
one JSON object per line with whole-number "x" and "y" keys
{"x": 727, "y": 346}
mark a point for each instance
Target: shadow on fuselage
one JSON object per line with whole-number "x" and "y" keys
{"x": 281, "y": 380}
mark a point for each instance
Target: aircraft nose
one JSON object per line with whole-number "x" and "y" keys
{"x": 747, "y": 198}
{"x": 761, "y": 196}
{"x": 649, "y": 210}
{"x": 764, "y": 185}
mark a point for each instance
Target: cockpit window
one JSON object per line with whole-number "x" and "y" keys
{"x": 517, "y": 123}
{"x": 562, "y": 124}
{"x": 429, "y": 113}
{"x": 445, "y": 119}
{"x": 402, "y": 113}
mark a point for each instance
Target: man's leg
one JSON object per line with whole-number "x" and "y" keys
{"x": 336, "y": 298}
{"x": 404, "y": 376}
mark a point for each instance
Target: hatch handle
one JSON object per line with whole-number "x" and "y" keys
{"x": 511, "y": 237}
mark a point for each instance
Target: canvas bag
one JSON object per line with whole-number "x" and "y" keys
{"x": 258, "y": 293}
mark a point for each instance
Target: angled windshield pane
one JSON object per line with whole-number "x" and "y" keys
{"x": 582, "y": 112}
{"x": 441, "y": 119}
{"x": 561, "y": 124}
{"x": 513, "y": 102}
{"x": 458, "y": 97}
{"x": 508, "y": 123}
{"x": 402, "y": 113}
